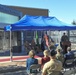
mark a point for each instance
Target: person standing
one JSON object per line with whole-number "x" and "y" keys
{"x": 64, "y": 37}
{"x": 64, "y": 42}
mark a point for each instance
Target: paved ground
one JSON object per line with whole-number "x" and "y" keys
{"x": 18, "y": 68}
{"x": 15, "y": 63}
{"x": 23, "y": 72}
{"x": 21, "y": 62}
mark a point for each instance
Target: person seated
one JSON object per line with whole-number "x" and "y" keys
{"x": 37, "y": 49}
{"x": 33, "y": 44}
{"x": 42, "y": 45}
{"x": 28, "y": 49}
{"x": 53, "y": 67}
{"x": 52, "y": 44}
{"x": 46, "y": 57}
{"x": 59, "y": 56}
{"x": 26, "y": 44}
{"x": 69, "y": 54}
{"x": 31, "y": 60}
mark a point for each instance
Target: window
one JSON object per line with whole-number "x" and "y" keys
{"x": 7, "y": 18}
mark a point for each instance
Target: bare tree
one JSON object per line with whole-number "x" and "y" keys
{"x": 74, "y": 22}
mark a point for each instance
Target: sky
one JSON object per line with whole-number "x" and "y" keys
{"x": 64, "y": 10}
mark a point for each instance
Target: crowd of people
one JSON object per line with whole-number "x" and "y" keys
{"x": 52, "y": 62}
{"x": 53, "y": 59}
{"x": 46, "y": 44}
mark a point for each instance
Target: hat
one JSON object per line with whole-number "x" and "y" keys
{"x": 53, "y": 52}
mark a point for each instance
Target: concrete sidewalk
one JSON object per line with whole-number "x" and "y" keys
{"x": 22, "y": 63}
{"x": 14, "y": 58}
{"x": 5, "y": 61}
{"x": 17, "y": 60}
{"x": 14, "y": 63}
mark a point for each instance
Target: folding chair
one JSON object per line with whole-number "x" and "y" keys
{"x": 75, "y": 57}
{"x": 35, "y": 69}
{"x": 56, "y": 73}
{"x": 69, "y": 64}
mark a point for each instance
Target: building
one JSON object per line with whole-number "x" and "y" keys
{"x": 28, "y": 35}
{"x": 7, "y": 17}
{"x": 10, "y": 15}
{"x": 31, "y": 11}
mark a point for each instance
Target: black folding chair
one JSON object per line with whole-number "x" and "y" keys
{"x": 35, "y": 69}
{"x": 55, "y": 73}
{"x": 69, "y": 64}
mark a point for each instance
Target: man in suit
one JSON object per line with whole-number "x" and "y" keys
{"x": 64, "y": 42}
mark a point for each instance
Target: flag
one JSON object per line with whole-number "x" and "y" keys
{"x": 37, "y": 38}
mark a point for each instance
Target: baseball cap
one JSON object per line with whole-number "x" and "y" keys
{"x": 53, "y": 52}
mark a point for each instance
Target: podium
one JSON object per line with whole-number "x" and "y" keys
{"x": 64, "y": 46}
{"x": 68, "y": 43}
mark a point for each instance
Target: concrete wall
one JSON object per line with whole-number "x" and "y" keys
{"x": 31, "y": 11}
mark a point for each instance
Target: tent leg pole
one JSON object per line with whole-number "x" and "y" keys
{"x": 10, "y": 48}
{"x": 22, "y": 42}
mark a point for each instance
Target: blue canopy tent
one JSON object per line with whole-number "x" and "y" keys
{"x": 38, "y": 23}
